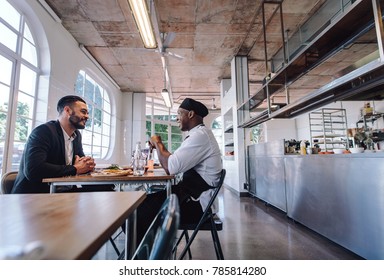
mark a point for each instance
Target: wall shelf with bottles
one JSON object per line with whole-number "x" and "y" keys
{"x": 365, "y": 120}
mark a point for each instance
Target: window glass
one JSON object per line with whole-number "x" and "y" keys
{"x": 96, "y": 134}
{"x": 7, "y": 37}
{"x": 217, "y": 130}
{"x": 25, "y": 105}
{"x": 28, "y": 34}
{"x": 162, "y": 123}
{"x": 106, "y": 119}
{"x": 29, "y": 52}
{"x": 148, "y": 131}
{"x": 4, "y": 97}
{"x": 148, "y": 110}
{"x": 27, "y": 80}
{"x": 18, "y": 81}
{"x": 176, "y": 137}
{"x": 9, "y": 14}
{"x": 23, "y": 128}
{"x": 162, "y": 131}
{"x": 5, "y": 71}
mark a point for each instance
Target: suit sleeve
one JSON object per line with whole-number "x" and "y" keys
{"x": 44, "y": 156}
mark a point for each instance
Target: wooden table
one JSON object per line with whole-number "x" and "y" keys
{"x": 158, "y": 176}
{"x": 70, "y": 225}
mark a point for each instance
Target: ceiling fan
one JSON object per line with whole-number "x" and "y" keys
{"x": 166, "y": 40}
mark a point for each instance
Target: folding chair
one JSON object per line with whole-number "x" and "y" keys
{"x": 158, "y": 241}
{"x": 208, "y": 221}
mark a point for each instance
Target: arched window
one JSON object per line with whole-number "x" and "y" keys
{"x": 19, "y": 68}
{"x": 162, "y": 121}
{"x": 97, "y": 133}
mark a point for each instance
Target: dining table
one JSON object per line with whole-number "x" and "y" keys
{"x": 67, "y": 226}
{"x": 157, "y": 176}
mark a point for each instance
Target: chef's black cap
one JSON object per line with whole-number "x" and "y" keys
{"x": 196, "y": 106}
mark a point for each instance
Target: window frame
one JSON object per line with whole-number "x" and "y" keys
{"x": 90, "y": 143}
{"x": 12, "y": 146}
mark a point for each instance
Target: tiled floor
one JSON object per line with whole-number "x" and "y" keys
{"x": 253, "y": 230}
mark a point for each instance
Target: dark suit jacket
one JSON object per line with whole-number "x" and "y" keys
{"x": 44, "y": 157}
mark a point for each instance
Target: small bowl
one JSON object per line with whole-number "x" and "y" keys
{"x": 356, "y": 150}
{"x": 338, "y": 151}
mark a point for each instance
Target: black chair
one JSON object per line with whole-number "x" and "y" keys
{"x": 208, "y": 222}
{"x": 7, "y": 182}
{"x": 158, "y": 241}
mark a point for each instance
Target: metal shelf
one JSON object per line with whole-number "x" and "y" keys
{"x": 329, "y": 131}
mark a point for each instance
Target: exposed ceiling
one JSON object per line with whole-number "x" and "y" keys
{"x": 209, "y": 33}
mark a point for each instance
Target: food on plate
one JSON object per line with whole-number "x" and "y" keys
{"x": 112, "y": 172}
{"x": 114, "y": 166}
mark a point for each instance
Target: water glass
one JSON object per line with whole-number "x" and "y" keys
{"x": 139, "y": 167}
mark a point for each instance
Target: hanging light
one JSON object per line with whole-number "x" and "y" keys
{"x": 166, "y": 97}
{"x": 213, "y": 104}
{"x": 143, "y": 22}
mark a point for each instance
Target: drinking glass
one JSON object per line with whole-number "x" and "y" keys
{"x": 139, "y": 167}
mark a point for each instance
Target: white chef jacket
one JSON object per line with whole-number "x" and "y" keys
{"x": 201, "y": 152}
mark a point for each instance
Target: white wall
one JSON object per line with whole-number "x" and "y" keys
{"x": 277, "y": 129}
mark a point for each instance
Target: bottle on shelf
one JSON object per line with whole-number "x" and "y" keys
{"x": 303, "y": 148}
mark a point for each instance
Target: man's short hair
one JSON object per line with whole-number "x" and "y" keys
{"x": 68, "y": 101}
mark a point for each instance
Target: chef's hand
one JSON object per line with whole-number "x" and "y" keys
{"x": 155, "y": 139}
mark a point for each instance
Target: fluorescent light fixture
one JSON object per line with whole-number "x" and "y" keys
{"x": 166, "y": 97}
{"x": 143, "y": 22}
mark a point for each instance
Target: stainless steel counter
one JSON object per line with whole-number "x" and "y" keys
{"x": 339, "y": 196}
{"x": 267, "y": 173}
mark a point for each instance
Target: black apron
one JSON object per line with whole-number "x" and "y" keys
{"x": 192, "y": 185}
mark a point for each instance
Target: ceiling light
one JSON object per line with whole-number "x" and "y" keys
{"x": 213, "y": 104}
{"x": 143, "y": 22}
{"x": 166, "y": 97}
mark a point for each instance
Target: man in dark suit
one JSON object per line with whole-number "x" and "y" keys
{"x": 54, "y": 149}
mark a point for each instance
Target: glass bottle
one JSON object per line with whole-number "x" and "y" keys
{"x": 138, "y": 161}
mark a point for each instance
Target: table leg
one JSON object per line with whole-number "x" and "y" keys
{"x": 130, "y": 236}
{"x": 52, "y": 188}
{"x": 118, "y": 187}
{"x": 169, "y": 188}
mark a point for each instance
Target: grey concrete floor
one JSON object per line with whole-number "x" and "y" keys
{"x": 255, "y": 231}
